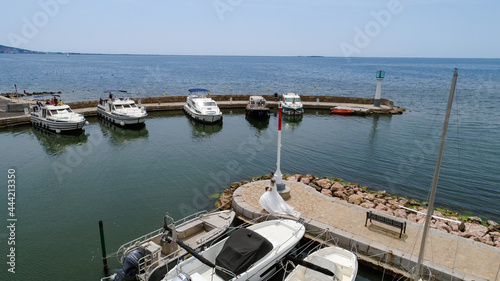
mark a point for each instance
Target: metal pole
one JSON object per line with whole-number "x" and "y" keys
{"x": 277, "y": 174}
{"x": 103, "y": 249}
{"x": 430, "y": 208}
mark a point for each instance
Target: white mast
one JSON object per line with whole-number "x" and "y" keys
{"x": 430, "y": 208}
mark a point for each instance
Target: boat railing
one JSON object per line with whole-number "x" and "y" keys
{"x": 134, "y": 244}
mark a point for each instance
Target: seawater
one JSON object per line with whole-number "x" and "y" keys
{"x": 131, "y": 178}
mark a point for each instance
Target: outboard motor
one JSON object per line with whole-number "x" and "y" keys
{"x": 130, "y": 266}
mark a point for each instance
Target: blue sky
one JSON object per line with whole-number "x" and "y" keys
{"x": 370, "y": 28}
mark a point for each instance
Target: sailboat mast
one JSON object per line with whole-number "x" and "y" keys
{"x": 430, "y": 208}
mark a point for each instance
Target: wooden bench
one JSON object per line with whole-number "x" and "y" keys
{"x": 396, "y": 223}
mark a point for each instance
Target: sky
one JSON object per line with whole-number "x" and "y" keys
{"x": 339, "y": 28}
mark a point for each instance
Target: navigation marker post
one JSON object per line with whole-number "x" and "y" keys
{"x": 279, "y": 177}
{"x": 378, "y": 92}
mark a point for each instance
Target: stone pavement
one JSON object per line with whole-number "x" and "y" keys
{"x": 447, "y": 256}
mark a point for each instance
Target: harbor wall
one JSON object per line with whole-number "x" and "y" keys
{"x": 182, "y": 99}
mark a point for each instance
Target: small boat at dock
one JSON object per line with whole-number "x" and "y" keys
{"x": 291, "y": 104}
{"x": 201, "y": 107}
{"x": 257, "y": 107}
{"x": 56, "y": 117}
{"x": 247, "y": 254}
{"x": 340, "y": 264}
{"x": 121, "y": 111}
{"x": 149, "y": 257}
{"x": 342, "y": 111}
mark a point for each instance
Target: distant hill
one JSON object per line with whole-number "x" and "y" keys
{"x": 12, "y": 50}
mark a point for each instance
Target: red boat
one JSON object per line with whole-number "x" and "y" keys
{"x": 342, "y": 111}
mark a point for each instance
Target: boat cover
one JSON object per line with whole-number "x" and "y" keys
{"x": 242, "y": 249}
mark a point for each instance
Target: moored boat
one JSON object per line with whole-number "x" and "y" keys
{"x": 56, "y": 117}
{"x": 342, "y": 111}
{"x": 329, "y": 263}
{"x": 257, "y": 107}
{"x": 247, "y": 254}
{"x": 201, "y": 107}
{"x": 291, "y": 104}
{"x": 121, "y": 111}
{"x": 148, "y": 257}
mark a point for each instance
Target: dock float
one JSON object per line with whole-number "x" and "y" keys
{"x": 448, "y": 257}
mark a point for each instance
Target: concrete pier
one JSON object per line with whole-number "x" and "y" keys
{"x": 167, "y": 103}
{"x": 448, "y": 257}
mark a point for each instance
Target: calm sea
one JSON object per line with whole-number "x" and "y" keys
{"x": 131, "y": 178}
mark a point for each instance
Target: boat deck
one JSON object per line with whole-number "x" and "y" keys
{"x": 449, "y": 257}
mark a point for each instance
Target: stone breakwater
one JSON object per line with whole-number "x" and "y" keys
{"x": 414, "y": 211}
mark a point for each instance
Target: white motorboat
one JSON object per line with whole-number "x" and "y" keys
{"x": 148, "y": 257}
{"x": 257, "y": 107}
{"x": 341, "y": 264}
{"x": 291, "y": 104}
{"x": 58, "y": 117}
{"x": 247, "y": 254}
{"x": 122, "y": 111}
{"x": 201, "y": 107}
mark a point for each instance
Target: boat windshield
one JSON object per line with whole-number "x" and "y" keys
{"x": 209, "y": 103}
{"x": 292, "y": 99}
{"x": 119, "y": 106}
{"x": 133, "y": 105}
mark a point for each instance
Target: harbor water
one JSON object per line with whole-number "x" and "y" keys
{"x": 129, "y": 178}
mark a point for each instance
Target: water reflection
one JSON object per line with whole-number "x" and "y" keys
{"x": 292, "y": 122}
{"x": 54, "y": 143}
{"x": 120, "y": 135}
{"x": 258, "y": 123}
{"x": 202, "y": 130}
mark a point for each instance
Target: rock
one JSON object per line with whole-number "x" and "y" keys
{"x": 295, "y": 177}
{"x": 223, "y": 203}
{"x": 400, "y": 213}
{"x": 413, "y": 202}
{"x": 370, "y": 196}
{"x": 337, "y": 186}
{"x": 349, "y": 192}
{"x": 404, "y": 202}
{"x": 227, "y": 194}
{"x": 235, "y": 185}
{"x": 365, "y": 188}
{"x": 307, "y": 179}
{"x": 412, "y": 217}
{"x": 324, "y": 183}
{"x": 318, "y": 188}
{"x": 486, "y": 239}
{"x": 381, "y": 207}
{"x": 476, "y": 220}
{"x": 475, "y": 230}
{"x": 379, "y": 201}
{"x": 244, "y": 182}
{"x": 443, "y": 226}
{"x": 493, "y": 226}
{"x": 495, "y": 236}
{"x": 461, "y": 227}
{"x": 393, "y": 202}
{"x": 266, "y": 177}
{"x": 326, "y": 192}
{"x": 339, "y": 194}
{"x": 355, "y": 199}
{"x": 255, "y": 179}
{"x": 367, "y": 205}
{"x": 382, "y": 194}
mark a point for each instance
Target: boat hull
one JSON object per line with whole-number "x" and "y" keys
{"x": 209, "y": 119}
{"x": 257, "y": 113}
{"x": 121, "y": 120}
{"x": 63, "y": 126}
{"x": 293, "y": 111}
